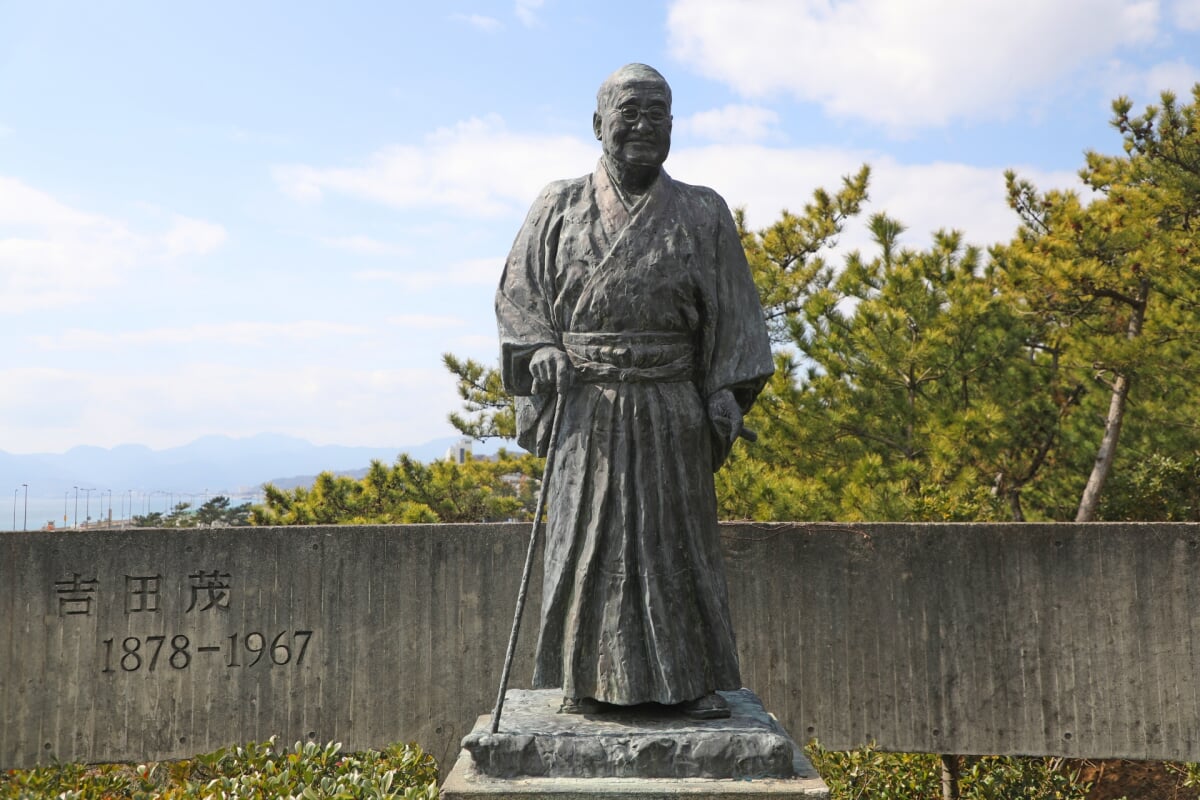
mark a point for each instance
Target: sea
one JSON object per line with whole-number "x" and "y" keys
{"x": 96, "y": 510}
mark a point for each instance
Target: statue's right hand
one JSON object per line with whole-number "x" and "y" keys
{"x": 551, "y": 370}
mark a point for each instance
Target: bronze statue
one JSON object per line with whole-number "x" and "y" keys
{"x": 628, "y": 294}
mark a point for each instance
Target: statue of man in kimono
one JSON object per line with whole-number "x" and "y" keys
{"x": 628, "y": 294}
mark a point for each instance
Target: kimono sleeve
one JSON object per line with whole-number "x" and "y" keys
{"x": 524, "y": 316}
{"x": 738, "y": 354}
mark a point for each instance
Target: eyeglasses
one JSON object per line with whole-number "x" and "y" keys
{"x": 655, "y": 115}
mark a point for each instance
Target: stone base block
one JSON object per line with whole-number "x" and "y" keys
{"x": 643, "y": 752}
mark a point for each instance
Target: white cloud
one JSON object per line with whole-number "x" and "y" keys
{"x": 469, "y": 272}
{"x": 732, "y": 123}
{"x": 238, "y": 334}
{"x": 924, "y": 197}
{"x": 526, "y": 11}
{"x": 1177, "y": 76}
{"x": 189, "y": 237}
{"x": 364, "y": 245}
{"x": 904, "y": 65}
{"x": 47, "y": 410}
{"x": 1147, "y": 85}
{"x": 5, "y": 130}
{"x": 243, "y": 135}
{"x": 426, "y": 321}
{"x": 479, "y": 22}
{"x": 1186, "y": 14}
{"x": 476, "y": 168}
{"x": 23, "y": 206}
{"x": 764, "y": 179}
{"x": 474, "y": 343}
{"x": 36, "y": 399}
{"x": 53, "y": 255}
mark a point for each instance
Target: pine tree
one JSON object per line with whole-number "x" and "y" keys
{"x": 479, "y": 490}
{"x": 490, "y": 409}
{"x": 1114, "y": 277}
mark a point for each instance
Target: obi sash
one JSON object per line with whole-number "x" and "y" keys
{"x": 640, "y": 357}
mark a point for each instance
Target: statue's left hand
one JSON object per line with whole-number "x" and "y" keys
{"x": 551, "y": 370}
{"x": 725, "y": 415}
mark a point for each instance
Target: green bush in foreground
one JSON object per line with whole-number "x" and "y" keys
{"x": 404, "y": 771}
{"x": 870, "y": 774}
{"x": 257, "y": 770}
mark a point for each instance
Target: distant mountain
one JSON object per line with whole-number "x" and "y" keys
{"x": 308, "y": 480}
{"x": 212, "y": 463}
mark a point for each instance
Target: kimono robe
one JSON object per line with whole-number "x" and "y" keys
{"x": 656, "y": 309}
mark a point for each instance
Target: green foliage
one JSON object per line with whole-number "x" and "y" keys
{"x": 479, "y": 490}
{"x": 220, "y": 510}
{"x": 786, "y": 258}
{"x": 216, "y": 511}
{"x": 933, "y": 384}
{"x": 1165, "y": 142}
{"x": 1190, "y": 773}
{"x": 868, "y": 774}
{"x": 1157, "y": 488}
{"x": 490, "y": 409}
{"x": 1113, "y": 279}
{"x": 181, "y": 516}
{"x": 1009, "y": 778}
{"x": 910, "y": 392}
{"x": 307, "y": 771}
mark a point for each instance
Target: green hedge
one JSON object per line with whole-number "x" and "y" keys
{"x": 258, "y": 770}
{"x": 870, "y": 774}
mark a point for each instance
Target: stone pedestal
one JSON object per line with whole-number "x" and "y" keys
{"x": 642, "y": 752}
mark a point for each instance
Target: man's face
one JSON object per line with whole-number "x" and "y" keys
{"x": 635, "y": 127}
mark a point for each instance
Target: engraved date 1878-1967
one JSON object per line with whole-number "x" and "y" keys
{"x": 149, "y": 653}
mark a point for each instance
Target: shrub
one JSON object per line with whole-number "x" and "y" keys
{"x": 870, "y": 774}
{"x": 307, "y": 771}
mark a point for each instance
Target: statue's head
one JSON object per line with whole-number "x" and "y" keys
{"x": 633, "y": 116}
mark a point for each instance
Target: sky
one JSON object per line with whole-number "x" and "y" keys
{"x": 245, "y": 217}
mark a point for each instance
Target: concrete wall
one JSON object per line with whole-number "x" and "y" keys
{"x": 1036, "y": 639}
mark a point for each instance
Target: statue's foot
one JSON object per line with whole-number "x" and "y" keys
{"x": 710, "y": 706}
{"x": 580, "y": 705}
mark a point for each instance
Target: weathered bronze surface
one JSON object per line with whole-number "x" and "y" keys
{"x": 638, "y": 742}
{"x": 628, "y": 293}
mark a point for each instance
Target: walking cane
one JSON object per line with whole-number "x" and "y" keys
{"x": 533, "y": 536}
